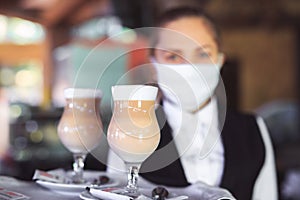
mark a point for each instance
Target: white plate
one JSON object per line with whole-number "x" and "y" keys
{"x": 85, "y": 195}
{"x": 77, "y": 188}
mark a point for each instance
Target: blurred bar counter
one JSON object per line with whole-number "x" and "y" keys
{"x": 33, "y": 142}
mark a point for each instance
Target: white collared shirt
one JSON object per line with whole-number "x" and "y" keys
{"x": 209, "y": 169}
{"x": 201, "y": 154}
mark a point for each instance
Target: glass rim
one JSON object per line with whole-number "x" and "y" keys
{"x": 82, "y": 93}
{"x": 134, "y": 92}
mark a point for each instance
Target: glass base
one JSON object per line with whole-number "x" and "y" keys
{"x": 72, "y": 178}
{"x": 134, "y": 193}
{"x": 78, "y": 166}
{"x": 78, "y": 180}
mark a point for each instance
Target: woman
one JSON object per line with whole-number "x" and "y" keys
{"x": 190, "y": 151}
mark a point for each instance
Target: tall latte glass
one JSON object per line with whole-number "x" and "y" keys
{"x": 133, "y": 132}
{"x": 80, "y": 127}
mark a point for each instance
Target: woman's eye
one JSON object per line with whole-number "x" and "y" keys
{"x": 173, "y": 58}
{"x": 203, "y": 55}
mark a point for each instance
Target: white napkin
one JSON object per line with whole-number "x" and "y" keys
{"x": 204, "y": 192}
{"x": 108, "y": 195}
{"x": 195, "y": 191}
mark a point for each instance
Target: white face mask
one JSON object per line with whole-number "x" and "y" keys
{"x": 188, "y": 85}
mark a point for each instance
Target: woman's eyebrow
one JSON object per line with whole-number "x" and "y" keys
{"x": 205, "y": 46}
{"x": 172, "y": 50}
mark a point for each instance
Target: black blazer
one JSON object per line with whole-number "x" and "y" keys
{"x": 244, "y": 154}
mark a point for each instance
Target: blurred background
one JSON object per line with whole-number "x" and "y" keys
{"x": 44, "y": 42}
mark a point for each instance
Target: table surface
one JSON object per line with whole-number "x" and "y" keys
{"x": 36, "y": 191}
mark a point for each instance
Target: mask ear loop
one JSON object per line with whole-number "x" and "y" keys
{"x": 221, "y": 59}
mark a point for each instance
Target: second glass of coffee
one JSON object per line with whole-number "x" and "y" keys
{"x": 80, "y": 128}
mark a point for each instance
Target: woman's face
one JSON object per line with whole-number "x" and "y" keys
{"x": 186, "y": 40}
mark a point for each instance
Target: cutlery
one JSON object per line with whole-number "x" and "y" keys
{"x": 161, "y": 193}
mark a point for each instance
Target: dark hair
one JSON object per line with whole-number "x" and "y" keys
{"x": 180, "y": 12}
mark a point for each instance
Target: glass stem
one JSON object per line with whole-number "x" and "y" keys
{"x": 78, "y": 166}
{"x": 133, "y": 174}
